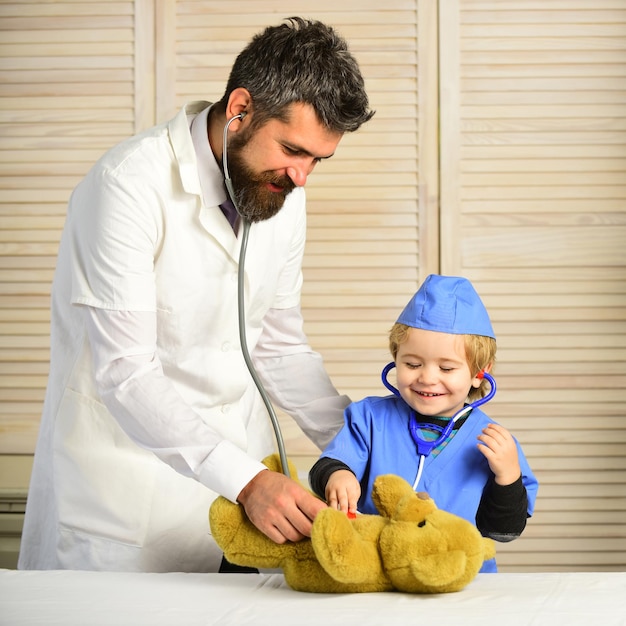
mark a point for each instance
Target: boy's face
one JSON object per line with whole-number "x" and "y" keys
{"x": 433, "y": 376}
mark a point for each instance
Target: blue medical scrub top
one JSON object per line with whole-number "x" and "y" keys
{"x": 375, "y": 440}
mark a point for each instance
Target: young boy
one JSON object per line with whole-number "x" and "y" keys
{"x": 441, "y": 344}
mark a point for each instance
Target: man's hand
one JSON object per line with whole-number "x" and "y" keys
{"x": 279, "y": 507}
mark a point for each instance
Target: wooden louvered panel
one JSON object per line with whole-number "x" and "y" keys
{"x": 69, "y": 74}
{"x": 534, "y": 212}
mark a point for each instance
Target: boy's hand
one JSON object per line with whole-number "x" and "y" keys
{"x": 343, "y": 491}
{"x": 498, "y": 446}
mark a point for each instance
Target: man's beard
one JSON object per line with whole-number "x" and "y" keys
{"x": 255, "y": 201}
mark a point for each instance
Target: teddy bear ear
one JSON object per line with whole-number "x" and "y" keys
{"x": 387, "y": 492}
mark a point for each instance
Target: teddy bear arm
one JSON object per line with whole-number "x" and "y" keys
{"x": 242, "y": 543}
{"x": 348, "y": 550}
{"x": 440, "y": 571}
{"x": 489, "y": 548}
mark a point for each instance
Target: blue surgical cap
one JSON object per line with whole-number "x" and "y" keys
{"x": 447, "y": 304}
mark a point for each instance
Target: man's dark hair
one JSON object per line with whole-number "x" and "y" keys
{"x": 301, "y": 61}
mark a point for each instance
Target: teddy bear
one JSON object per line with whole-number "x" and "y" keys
{"x": 411, "y": 546}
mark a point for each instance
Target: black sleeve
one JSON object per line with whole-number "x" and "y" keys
{"x": 320, "y": 473}
{"x": 503, "y": 511}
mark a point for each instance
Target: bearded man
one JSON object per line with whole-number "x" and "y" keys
{"x": 150, "y": 411}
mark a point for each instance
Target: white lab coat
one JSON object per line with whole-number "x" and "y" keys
{"x": 140, "y": 237}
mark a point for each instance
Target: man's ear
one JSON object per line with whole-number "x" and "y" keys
{"x": 239, "y": 102}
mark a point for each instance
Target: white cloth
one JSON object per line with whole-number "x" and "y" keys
{"x": 146, "y": 362}
{"x": 129, "y": 599}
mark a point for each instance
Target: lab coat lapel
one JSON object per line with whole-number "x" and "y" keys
{"x": 218, "y": 227}
{"x": 188, "y": 153}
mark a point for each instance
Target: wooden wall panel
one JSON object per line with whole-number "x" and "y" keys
{"x": 534, "y": 212}
{"x": 67, "y": 93}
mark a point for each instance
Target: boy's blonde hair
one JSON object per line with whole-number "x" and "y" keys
{"x": 480, "y": 352}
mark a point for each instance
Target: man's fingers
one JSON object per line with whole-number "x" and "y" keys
{"x": 279, "y": 507}
{"x": 282, "y": 535}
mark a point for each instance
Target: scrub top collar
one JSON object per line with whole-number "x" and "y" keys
{"x": 439, "y": 420}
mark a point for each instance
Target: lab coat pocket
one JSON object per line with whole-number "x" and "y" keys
{"x": 105, "y": 482}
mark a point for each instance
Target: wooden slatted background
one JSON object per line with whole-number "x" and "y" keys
{"x": 67, "y": 92}
{"x": 534, "y": 211}
{"x": 526, "y": 199}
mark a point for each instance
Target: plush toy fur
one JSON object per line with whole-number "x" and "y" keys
{"x": 411, "y": 546}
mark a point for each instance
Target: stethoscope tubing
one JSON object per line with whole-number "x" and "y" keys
{"x": 245, "y": 224}
{"x": 424, "y": 447}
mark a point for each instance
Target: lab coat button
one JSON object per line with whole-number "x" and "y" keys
{"x": 225, "y": 408}
{"x": 225, "y": 346}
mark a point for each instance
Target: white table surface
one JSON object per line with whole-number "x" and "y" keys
{"x": 71, "y": 598}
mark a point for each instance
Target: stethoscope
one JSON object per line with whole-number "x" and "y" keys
{"x": 245, "y": 224}
{"x": 424, "y": 447}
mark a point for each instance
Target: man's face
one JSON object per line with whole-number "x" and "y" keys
{"x": 266, "y": 163}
